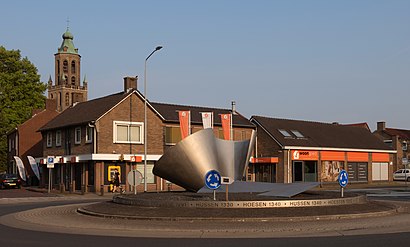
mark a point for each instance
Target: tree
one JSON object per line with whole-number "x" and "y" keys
{"x": 21, "y": 91}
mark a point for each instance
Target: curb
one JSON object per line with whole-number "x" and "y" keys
{"x": 265, "y": 219}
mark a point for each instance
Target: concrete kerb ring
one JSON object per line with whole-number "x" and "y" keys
{"x": 265, "y": 219}
{"x": 241, "y": 204}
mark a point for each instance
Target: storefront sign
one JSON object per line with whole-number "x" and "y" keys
{"x": 332, "y": 155}
{"x": 265, "y": 160}
{"x": 304, "y": 155}
{"x": 380, "y": 157}
{"x": 357, "y": 156}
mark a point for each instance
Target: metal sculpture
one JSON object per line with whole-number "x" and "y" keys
{"x": 189, "y": 160}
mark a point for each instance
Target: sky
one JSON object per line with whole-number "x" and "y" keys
{"x": 329, "y": 61}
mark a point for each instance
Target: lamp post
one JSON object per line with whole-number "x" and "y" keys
{"x": 145, "y": 117}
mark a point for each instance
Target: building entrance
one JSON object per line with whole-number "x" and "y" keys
{"x": 304, "y": 171}
{"x": 265, "y": 173}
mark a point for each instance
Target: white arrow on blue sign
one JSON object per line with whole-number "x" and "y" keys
{"x": 213, "y": 180}
{"x": 343, "y": 178}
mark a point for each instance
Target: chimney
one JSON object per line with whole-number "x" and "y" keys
{"x": 130, "y": 83}
{"x": 381, "y": 126}
{"x": 233, "y": 103}
{"x": 51, "y": 104}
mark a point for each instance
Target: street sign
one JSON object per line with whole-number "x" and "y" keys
{"x": 226, "y": 180}
{"x": 213, "y": 180}
{"x": 134, "y": 178}
{"x": 50, "y": 162}
{"x": 343, "y": 178}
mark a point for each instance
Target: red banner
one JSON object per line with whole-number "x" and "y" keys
{"x": 226, "y": 125}
{"x": 184, "y": 123}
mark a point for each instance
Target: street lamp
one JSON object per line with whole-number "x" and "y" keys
{"x": 145, "y": 116}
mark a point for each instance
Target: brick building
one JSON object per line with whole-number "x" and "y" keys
{"x": 398, "y": 139}
{"x": 25, "y": 141}
{"x": 90, "y": 139}
{"x": 290, "y": 151}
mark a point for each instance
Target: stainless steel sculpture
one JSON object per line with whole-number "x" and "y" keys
{"x": 189, "y": 160}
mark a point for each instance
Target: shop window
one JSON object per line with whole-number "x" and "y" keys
{"x": 304, "y": 171}
{"x": 331, "y": 170}
{"x": 128, "y": 132}
{"x": 172, "y": 135}
{"x": 150, "y": 174}
{"x": 77, "y": 136}
{"x": 357, "y": 171}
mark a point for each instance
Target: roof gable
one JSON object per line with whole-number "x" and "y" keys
{"x": 322, "y": 135}
{"x": 85, "y": 112}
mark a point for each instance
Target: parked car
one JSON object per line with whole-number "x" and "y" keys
{"x": 402, "y": 174}
{"x": 9, "y": 181}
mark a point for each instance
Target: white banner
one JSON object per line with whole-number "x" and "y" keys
{"x": 34, "y": 166}
{"x": 208, "y": 120}
{"x": 20, "y": 166}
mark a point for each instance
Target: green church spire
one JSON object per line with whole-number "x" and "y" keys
{"x": 68, "y": 46}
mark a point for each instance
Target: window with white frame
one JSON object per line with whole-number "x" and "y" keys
{"x": 58, "y": 138}
{"x": 89, "y": 134}
{"x": 49, "y": 139}
{"x": 404, "y": 146}
{"x": 77, "y": 136}
{"x": 128, "y": 132}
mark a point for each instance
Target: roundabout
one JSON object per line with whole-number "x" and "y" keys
{"x": 242, "y": 207}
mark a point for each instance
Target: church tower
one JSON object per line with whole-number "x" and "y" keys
{"x": 67, "y": 89}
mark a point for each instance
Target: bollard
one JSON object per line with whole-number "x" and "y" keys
{"x": 102, "y": 190}
{"x": 62, "y": 190}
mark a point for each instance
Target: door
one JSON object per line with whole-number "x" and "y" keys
{"x": 297, "y": 171}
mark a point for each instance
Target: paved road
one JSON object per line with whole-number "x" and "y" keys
{"x": 54, "y": 222}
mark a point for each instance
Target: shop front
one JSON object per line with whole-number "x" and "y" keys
{"x": 263, "y": 169}
{"x": 304, "y": 165}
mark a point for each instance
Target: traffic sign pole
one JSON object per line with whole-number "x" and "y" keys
{"x": 343, "y": 180}
{"x": 213, "y": 181}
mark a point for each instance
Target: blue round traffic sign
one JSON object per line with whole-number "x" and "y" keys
{"x": 213, "y": 180}
{"x": 343, "y": 178}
